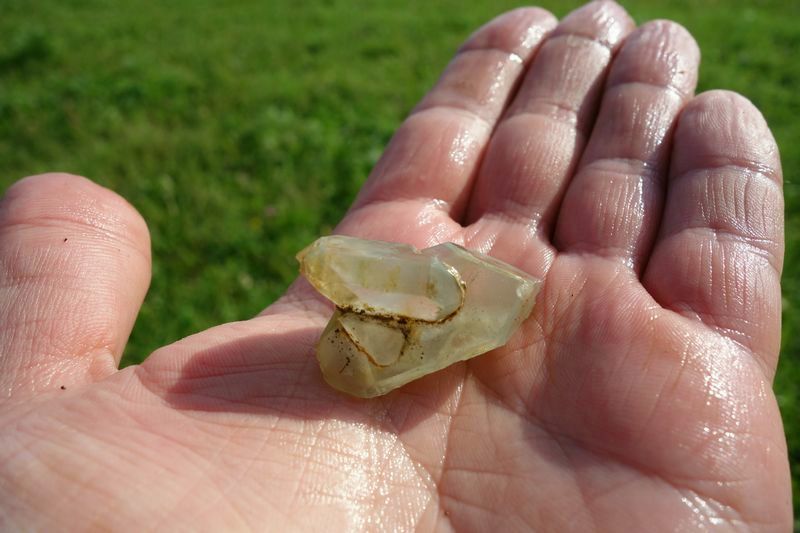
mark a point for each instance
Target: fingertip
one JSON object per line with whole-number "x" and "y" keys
{"x": 661, "y": 53}
{"x": 74, "y": 199}
{"x": 517, "y": 31}
{"x": 674, "y": 31}
{"x": 719, "y": 128}
{"x": 722, "y": 104}
{"x": 604, "y": 21}
{"x": 716, "y": 100}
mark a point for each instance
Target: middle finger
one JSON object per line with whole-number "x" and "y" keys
{"x": 536, "y": 146}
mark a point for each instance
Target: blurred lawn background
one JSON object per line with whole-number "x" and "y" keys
{"x": 243, "y": 129}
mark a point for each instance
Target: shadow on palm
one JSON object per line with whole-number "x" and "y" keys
{"x": 276, "y": 375}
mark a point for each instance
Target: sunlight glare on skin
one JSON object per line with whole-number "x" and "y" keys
{"x": 434, "y": 218}
{"x": 370, "y": 500}
{"x": 722, "y": 376}
{"x": 703, "y": 514}
{"x": 497, "y": 87}
{"x": 465, "y": 144}
{"x": 532, "y": 36}
{"x": 608, "y": 19}
{"x": 654, "y": 123}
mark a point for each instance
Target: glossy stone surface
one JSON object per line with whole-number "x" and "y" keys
{"x": 383, "y": 278}
{"x": 403, "y": 313}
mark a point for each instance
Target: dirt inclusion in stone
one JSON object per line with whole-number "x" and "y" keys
{"x": 402, "y": 313}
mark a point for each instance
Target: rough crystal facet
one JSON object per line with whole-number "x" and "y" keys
{"x": 403, "y": 313}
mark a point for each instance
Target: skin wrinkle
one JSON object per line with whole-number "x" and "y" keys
{"x": 434, "y": 471}
{"x": 659, "y": 88}
{"x": 49, "y": 519}
{"x": 717, "y": 390}
{"x": 18, "y": 280}
{"x": 456, "y": 93}
{"x": 717, "y": 237}
{"x": 295, "y": 500}
{"x": 439, "y": 479}
{"x": 550, "y": 108}
{"x": 213, "y": 507}
{"x": 623, "y": 168}
{"x": 382, "y": 489}
{"x": 627, "y": 396}
{"x": 43, "y": 442}
{"x": 734, "y": 166}
{"x": 697, "y": 304}
{"x": 30, "y": 459}
{"x": 91, "y": 197}
{"x": 671, "y": 56}
{"x": 572, "y": 83}
{"x": 639, "y": 468}
{"x": 445, "y": 497}
{"x": 737, "y": 518}
{"x": 730, "y": 176}
{"x": 549, "y": 157}
{"x": 426, "y": 205}
{"x": 513, "y": 32}
{"x": 595, "y": 498}
{"x": 745, "y": 141}
{"x": 100, "y": 348}
{"x": 574, "y": 36}
{"x": 577, "y": 484}
{"x": 98, "y": 236}
{"x": 761, "y": 244}
{"x": 736, "y": 335}
{"x": 426, "y": 478}
{"x": 206, "y": 476}
{"x": 555, "y": 111}
{"x": 718, "y": 438}
{"x": 586, "y": 501}
{"x": 643, "y": 121}
{"x": 548, "y": 342}
{"x": 312, "y": 444}
{"x": 572, "y": 136}
{"x": 402, "y": 179}
{"x": 508, "y": 55}
{"x": 431, "y": 473}
{"x": 614, "y": 224}
{"x": 452, "y": 110}
{"x": 484, "y": 237}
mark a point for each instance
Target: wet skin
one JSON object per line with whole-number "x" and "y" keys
{"x": 636, "y": 397}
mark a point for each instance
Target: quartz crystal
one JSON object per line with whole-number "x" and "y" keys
{"x": 403, "y": 313}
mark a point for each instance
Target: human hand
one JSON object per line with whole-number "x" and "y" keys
{"x": 636, "y": 397}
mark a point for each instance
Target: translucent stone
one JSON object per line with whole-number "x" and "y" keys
{"x": 384, "y": 278}
{"x": 403, "y": 313}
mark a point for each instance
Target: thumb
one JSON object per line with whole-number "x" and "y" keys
{"x": 74, "y": 269}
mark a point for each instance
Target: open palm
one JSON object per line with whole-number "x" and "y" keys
{"x": 636, "y": 397}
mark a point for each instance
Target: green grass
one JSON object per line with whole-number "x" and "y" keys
{"x": 242, "y": 132}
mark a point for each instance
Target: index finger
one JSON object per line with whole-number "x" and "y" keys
{"x": 436, "y": 151}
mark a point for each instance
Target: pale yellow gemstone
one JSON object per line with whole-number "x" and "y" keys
{"x": 382, "y": 278}
{"x": 404, "y": 313}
